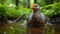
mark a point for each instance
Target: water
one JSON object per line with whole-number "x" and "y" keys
{"x": 53, "y": 29}
{"x": 17, "y": 29}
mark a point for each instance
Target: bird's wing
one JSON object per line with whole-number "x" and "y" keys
{"x": 41, "y": 18}
{"x": 29, "y": 17}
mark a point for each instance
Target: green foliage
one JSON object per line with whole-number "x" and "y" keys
{"x": 2, "y": 1}
{"x": 12, "y": 11}
{"x": 2, "y": 9}
{"x": 41, "y": 2}
{"x": 51, "y": 9}
{"x": 48, "y": 10}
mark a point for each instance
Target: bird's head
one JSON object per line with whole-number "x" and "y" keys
{"x": 35, "y": 7}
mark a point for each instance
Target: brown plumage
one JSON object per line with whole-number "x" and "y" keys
{"x": 36, "y": 21}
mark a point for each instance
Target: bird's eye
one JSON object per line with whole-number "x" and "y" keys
{"x": 35, "y": 6}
